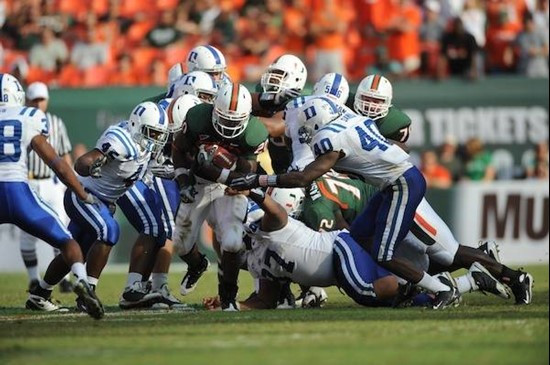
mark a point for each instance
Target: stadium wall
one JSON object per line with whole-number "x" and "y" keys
{"x": 509, "y": 114}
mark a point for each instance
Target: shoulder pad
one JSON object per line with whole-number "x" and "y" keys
{"x": 117, "y": 143}
{"x": 37, "y": 118}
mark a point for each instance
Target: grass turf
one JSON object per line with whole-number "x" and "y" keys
{"x": 483, "y": 330}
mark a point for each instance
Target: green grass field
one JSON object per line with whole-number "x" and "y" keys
{"x": 483, "y": 330}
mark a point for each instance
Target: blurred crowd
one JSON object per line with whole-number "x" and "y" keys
{"x": 72, "y": 43}
{"x": 452, "y": 163}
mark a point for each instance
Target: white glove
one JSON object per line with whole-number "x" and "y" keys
{"x": 164, "y": 171}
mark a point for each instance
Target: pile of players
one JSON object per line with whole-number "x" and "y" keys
{"x": 345, "y": 207}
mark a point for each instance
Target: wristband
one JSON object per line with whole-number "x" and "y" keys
{"x": 224, "y": 175}
{"x": 267, "y": 180}
{"x": 181, "y": 171}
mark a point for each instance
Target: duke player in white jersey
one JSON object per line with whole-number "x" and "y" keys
{"x": 21, "y": 129}
{"x": 150, "y": 206}
{"x": 119, "y": 159}
{"x": 352, "y": 143}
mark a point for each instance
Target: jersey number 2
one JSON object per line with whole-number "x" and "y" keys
{"x": 13, "y": 140}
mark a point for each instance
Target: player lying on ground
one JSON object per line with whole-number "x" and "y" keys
{"x": 282, "y": 249}
{"x": 22, "y": 129}
{"x": 107, "y": 172}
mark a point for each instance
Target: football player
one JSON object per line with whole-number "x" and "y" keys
{"x": 283, "y": 250}
{"x": 107, "y": 172}
{"x": 228, "y": 124}
{"x": 22, "y": 129}
{"x": 348, "y": 142}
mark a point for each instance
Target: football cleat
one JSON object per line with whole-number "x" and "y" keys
{"x": 65, "y": 286}
{"x": 38, "y": 303}
{"x": 230, "y": 306}
{"x": 449, "y": 297}
{"x": 189, "y": 281}
{"x": 405, "y": 295}
{"x": 522, "y": 288}
{"x": 167, "y": 300}
{"x": 314, "y": 297}
{"x": 491, "y": 249}
{"x": 92, "y": 304}
{"x": 486, "y": 282}
{"x": 286, "y": 298}
{"x": 138, "y": 295}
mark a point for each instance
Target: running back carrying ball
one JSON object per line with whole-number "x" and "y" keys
{"x": 217, "y": 155}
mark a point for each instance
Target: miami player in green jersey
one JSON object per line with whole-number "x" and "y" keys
{"x": 229, "y": 125}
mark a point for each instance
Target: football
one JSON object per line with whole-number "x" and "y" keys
{"x": 219, "y": 156}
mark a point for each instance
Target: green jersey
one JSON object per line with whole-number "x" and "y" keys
{"x": 199, "y": 129}
{"x": 332, "y": 193}
{"x": 392, "y": 125}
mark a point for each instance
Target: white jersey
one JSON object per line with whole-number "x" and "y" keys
{"x": 295, "y": 252}
{"x": 18, "y": 126}
{"x": 366, "y": 152}
{"x": 126, "y": 163}
{"x": 302, "y": 155}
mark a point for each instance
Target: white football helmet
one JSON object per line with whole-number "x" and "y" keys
{"x": 315, "y": 114}
{"x": 176, "y": 110}
{"x": 149, "y": 126}
{"x": 333, "y": 85}
{"x": 290, "y": 199}
{"x": 197, "y": 83}
{"x": 174, "y": 73}
{"x": 287, "y": 72}
{"x": 11, "y": 91}
{"x": 232, "y": 109}
{"x": 207, "y": 59}
{"x": 373, "y": 97}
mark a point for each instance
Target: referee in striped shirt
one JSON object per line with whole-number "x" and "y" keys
{"x": 42, "y": 179}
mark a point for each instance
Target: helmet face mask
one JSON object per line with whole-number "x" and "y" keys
{"x": 287, "y": 72}
{"x": 373, "y": 97}
{"x": 232, "y": 109}
{"x": 149, "y": 126}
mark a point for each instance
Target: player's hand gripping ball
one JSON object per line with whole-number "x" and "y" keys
{"x": 216, "y": 155}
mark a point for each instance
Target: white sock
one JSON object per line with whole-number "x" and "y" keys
{"x": 432, "y": 284}
{"x": 33, "y": 273}
{"x": 93, "y": 281}
{"x": 159, "y": 279}
{"x": 132, "y": 278}
{"x": 466, "y": 284}
{"x": 79, "y": 271}
{"x": 45, "y": 285}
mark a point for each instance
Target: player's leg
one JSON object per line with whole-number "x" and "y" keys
{"x": 228, "y": 214}
{"x": 188, "y": 223}
{"x": 168, "y": 193}
{"x": 37, "y": 218}
{"x": 140, "y": 206}
{"x": 443, "y": 249}
{"x": 54, "y": 198}
{"x": 27, "y": 247}
{"x": 361, "y": 278}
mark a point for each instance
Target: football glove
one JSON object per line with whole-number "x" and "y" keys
{"x": 245, "y": 182}
{"x": 187, "y": 194}
{"x": 164, "y": 171}
{"x": 95, "y": 168}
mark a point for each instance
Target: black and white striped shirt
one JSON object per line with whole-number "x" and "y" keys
{"x": 59, "y": 139}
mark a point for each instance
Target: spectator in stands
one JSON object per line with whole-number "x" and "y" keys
{"x": 431, "y": 32}
{"x": 536, "y": 165}
{"x": 89, "y": 51}
{"x": 49, "y": 52}
{"x": 436, "y": 175}
{"x": 405, "y": 19}
{"x": 448, "y": 158}
{"x": 533, "y": 50}
{"x": 165, "y": 32}
{"x": 475, "y": 21}
{"x": 329, "y": 23}
{"x": 125, "y": 74}
{"x": 224, "y": 25}
{"x": 479, "y": 163}
{"x": 458, "y": 49}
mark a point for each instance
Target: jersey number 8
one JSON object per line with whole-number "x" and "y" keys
{"x": 11, "y": 138}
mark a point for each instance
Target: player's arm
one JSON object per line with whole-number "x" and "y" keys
{"x": 275, "y": 216}
{"x": 90, "y": 163}
{"x": 266, "y": 104}
{"x": 275, "y": 125}
{"x": 314, "y": 170}
{"x": 266, "y": 298}
{"x": 63, "y": 170}
{"x": 182, "y": 159}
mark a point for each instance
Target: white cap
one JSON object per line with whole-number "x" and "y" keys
{"x": 433, "y": 5}
{"x": 37, "y": 90}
